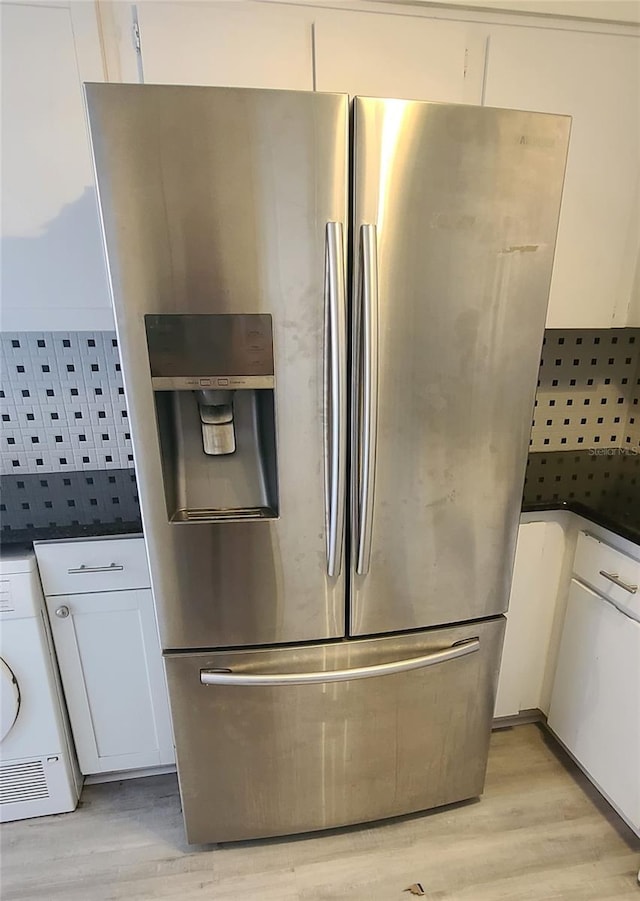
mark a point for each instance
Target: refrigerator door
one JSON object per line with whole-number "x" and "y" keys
{"x": 455, "y": 217}
{"x": 277, "y": 741}
{"x": 230, "y": 201}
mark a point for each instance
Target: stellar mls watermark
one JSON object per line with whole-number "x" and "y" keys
{"x": 614, "y": 451}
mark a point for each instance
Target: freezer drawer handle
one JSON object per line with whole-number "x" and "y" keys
{"x": 111, "y": 568}
{"x": 335, "y": 395}
{"x": 367, "y": 395}
{"x": 228, "y": 677}
{"x": 614, "y": 577}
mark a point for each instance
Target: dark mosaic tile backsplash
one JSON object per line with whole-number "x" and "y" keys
{"x": 55, "y": 500}
{"x": 67, "y": 463}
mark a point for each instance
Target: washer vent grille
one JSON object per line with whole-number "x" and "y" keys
{"x": 23, "y": 782}
{"x": 6, "y": 600}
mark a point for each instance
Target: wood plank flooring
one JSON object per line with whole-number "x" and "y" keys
{"x": 540, "y": 832}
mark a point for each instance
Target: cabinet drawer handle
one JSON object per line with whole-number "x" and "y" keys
{"x": 62, "y": 612}
{"x": 111, "y": 568}
{"x": 613, "y": 577}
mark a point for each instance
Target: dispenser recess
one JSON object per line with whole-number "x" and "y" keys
{"x": 213, "y": 384}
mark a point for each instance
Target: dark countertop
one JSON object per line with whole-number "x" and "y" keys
{"x": 602, "y": 485}
{"x": 83, "y": 504}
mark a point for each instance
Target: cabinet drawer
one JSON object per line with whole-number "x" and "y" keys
{"x": 621, "y": 584}
{"x": 253, "y": 759}
{"x": 76, "y": 567}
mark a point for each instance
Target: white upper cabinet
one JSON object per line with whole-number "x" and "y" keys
{"x": 53, "y": 274}
{"x": 596, "y": 79}
{"x": 407, "y": 57}
{"x": 246, "y": 45}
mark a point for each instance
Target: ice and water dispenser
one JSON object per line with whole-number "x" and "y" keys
{"x": 213, "y": 385}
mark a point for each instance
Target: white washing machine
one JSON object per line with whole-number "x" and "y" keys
{"x": 38, "y": 769}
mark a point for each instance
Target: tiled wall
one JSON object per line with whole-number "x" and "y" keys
{"x": 633, "y": 424}
{"x": 588, "y": 390}
{"x": 62, "y": 403}
{"x": 62, "y": 400}
{"x": 608, "y": 481}
{"x": 56, "y": 500}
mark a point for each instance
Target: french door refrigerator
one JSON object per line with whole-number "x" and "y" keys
{"x": 330, "y": 320}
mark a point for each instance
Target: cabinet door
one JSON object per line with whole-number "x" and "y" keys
{"x": 113, "y": 679}
{"x": 534, "y": 620}
{"x": 246, "y": 45}
{"x": 407, "y": 57}
{"x": 53, "y": 275}
{"x": 514, "y": 667}
{"x": 595, "y": 704}
{"x": 594, "y": 78}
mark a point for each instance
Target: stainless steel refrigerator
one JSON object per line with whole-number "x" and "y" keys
{"x": 330, "y": 319}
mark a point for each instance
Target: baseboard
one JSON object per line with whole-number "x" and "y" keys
{"x": 534, "y": 715}
{"x": 94, "y": 778}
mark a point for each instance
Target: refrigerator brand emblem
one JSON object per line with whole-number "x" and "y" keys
{"x": 529, "y": 141}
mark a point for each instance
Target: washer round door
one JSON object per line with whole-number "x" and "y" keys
{"x": 9, "y": 699}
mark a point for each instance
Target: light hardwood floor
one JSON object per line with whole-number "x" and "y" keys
{"x": 540, "y": 832}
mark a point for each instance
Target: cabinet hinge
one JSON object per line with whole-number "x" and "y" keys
{"x": 136, "y": 36}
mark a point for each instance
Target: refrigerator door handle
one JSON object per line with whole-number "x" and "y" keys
{"x": 367, "y": 394}
{"x": 335, "y": 395}
{"x": 228, "y": 677}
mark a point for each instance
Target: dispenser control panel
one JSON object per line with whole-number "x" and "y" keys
{"x": 193, "y": 351}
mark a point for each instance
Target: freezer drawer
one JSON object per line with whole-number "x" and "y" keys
{"x": 272, "y": 759}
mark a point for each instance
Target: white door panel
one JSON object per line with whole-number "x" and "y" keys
{"x": 112, "y": 673}
{"x": 53, "y": 272}
{"x": 595, "y": 79}
{"x": 243, "y": 45}
{"x": 595, "y": 704}
{"x": 405, "y": 57}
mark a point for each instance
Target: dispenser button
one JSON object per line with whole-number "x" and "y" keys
{"x": 223, "y": 381}
{"x": 205, "y": 381}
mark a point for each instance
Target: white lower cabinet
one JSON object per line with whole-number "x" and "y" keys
{"x": 572, "y": 650}
{"x": 595, "y": 705}
{"x": 531, "y": 634}
{"x": 113, "y": 679}
{"x": 110, "y": 660}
